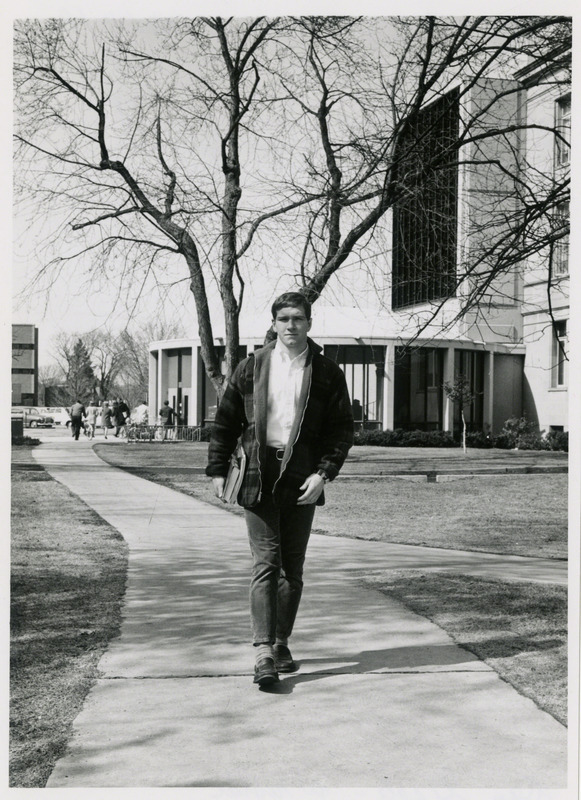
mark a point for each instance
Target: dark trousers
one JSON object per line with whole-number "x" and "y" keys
{"x": 278, "y": 537}
{"x": 76, "y": 424}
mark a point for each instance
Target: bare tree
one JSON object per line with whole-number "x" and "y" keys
{"x": 134, "y": 377}
{"x": 51, "y": 389}
{"x": 104, "y": 364}
{"x": 92, "y": 364}
{"x": 109, "y": 356}
{"x": 460, "y": 393}
{"x": 231, "y": 144}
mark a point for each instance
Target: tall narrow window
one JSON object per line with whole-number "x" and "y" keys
{"x": 563, "y": 126}
{"x": 559, "y": 356}
{"x": 425, "y": 214}
{"x": 470, "y": 365}
{"x": 561, "y": 250}
{"x": 358, "y": 362}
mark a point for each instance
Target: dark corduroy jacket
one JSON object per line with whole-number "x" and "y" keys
{"x": 320, "y": 438}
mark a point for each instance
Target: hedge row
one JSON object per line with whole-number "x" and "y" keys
{"x": 401, "y": 438}
{"x": 516, "y": 434}
{"x": 25, "y": 440}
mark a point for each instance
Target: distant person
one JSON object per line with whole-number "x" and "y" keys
{"x": 106, "y": 418}
{"x": 140, "y": 414}
{"x": 357, "y": 411}
{"x": 167, "y": 416}
{"x": 91, "y": 421}
{"x": 77, "y": 412}
{"x": 120, "y": 414}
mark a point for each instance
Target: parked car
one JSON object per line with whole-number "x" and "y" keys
{"x": 59, "y": 414}
{"x": 32, "y": 417}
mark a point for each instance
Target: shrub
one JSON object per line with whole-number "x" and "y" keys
{"x": 479, "y": 439}
{"x": 401, "y": 438}
{"x": 203, "y": 434}
{"x": 379, "y": 438}
{"x": 428, "y": 439}
{"x": 25, "y": 440}
{"x": 532, "y": 441}
{"x": 520, "y": 433}
{"x": 558, "y": 440}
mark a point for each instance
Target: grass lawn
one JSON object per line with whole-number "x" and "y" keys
{"x": 67, "y": 583}
{"x": 522, "y": 515}
{"x": 509, "y": 514}
{"x": 519, "y": 629}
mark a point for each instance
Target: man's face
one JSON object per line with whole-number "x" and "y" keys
{"x": 292, "y": 327}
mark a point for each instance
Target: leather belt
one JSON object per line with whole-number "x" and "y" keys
{"x": 276, "y": 452}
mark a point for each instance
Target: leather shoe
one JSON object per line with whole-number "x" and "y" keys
{"x": 283, "y": 659}
{"x": 265, "y": 672}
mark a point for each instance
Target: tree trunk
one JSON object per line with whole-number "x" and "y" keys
{"x": 205, "y": 332}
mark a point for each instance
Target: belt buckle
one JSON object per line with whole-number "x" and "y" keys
{"x": 281, "y": 451}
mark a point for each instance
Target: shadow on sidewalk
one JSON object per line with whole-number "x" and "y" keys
{"x": 408, "y": 659}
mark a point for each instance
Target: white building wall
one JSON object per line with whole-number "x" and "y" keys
{"x": 487, "y": 199}
{"x": 544, "y": 403}
{"x": 153, "y": 407}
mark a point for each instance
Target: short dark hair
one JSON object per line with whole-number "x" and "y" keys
{"x": 294, "y": 299}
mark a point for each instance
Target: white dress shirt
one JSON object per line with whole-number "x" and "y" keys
{"x": 284, "y": 387}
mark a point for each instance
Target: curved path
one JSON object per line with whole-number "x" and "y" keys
{"x": 383, "y": 698}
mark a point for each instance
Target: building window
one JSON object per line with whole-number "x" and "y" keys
{"x": 425, "y": 214}
{"x": 470, "y": 365}
{"x": 561, "y": 249}
{"x": 559, "y": 356}
{"x": 428, "y": 368}
{"x": 563, "y": 126}
{"x": 418, "y": 393}
{"x": 363, "y": 366}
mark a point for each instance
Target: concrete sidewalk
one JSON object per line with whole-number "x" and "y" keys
{"x": 383, "y": 698}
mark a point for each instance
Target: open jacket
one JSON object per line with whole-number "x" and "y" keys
{"x": 320, "y": 438}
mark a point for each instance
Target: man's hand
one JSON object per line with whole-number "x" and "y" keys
{"x": 219, "y": 487}
{"x": 311, "y": 488}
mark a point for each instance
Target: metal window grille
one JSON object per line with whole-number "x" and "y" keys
{"x": 425, "y": 214}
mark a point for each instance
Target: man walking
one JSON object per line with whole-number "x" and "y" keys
{"x": 77, "y": 412}
{"x": 167, "y": 415}
{"x": 120, "y": 413}
{"x": 291, "y": 406}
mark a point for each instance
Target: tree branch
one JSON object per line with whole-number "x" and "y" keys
{"x": 115, "y": 214}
